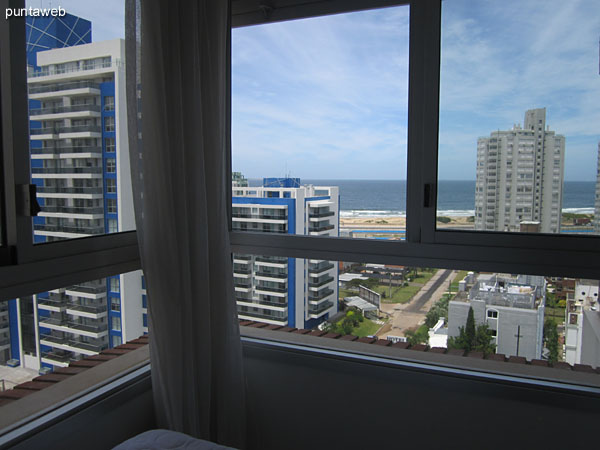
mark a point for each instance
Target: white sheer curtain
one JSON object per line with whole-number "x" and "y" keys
{"x": 178, "y": 57}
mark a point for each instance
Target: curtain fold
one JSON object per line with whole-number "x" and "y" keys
{"x": 178, "y": 58}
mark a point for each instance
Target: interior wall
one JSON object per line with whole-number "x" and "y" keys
{"x": 300, "y": 401}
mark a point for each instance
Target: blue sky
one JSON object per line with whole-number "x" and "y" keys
{"x": 327, "y": 97}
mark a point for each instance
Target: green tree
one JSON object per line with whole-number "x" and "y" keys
{"x": 470, "y": 329}
{"x": 418, "y": 336}
{"x": 483, "y": 340}
{"x": 551, "y": 338}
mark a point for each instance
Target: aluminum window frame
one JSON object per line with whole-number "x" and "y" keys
{"x": 425, "y": 245}
{"x": 25, "y": 267}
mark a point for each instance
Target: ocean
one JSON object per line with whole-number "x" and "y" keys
{"x": 376, "y": 198}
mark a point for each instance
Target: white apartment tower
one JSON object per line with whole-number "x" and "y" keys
{"x": 520, "y": 177}
{"x": 80, "y": 164}
{"x": 295, "y": 292}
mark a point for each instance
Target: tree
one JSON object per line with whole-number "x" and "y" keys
{"x": 472, "y": 338}
{"x": 470, "y": 329}
{"x": 551, "y": 338}
{"x": 419, "y": 336}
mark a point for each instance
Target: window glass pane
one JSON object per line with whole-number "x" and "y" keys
{"x": 50, "y": 329}
{"x": 319, "y": 109}
{"x": 519, "y": 131}
{"x": 512, "y": 314}
{"x": 75, "y": 115}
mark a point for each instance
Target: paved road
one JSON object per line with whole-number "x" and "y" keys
{"x": 427, "y": 291}
{"x": 411, "y": 315}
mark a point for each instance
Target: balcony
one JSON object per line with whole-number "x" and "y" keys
{"x": 57, "y": 87}
{"x": 280, "y": 290}
{"x": 44, "y": 72}
{"x": 80, "y": 129}
{"x": 69, "y": 229}
{"x": 72, "y": 345}
{"x": 69, "y": 190}
{"x": 319, "y": 215}
{"x": 263, "y": 317}
{"x": 277, "y": 275}
{"x": 90, "y": 311}
{"x": 242, "y": 270}
{"x": 57, "y": 359}
{"x": 67, "y": 169}
{"x": 64, "y": 109}
{"x": 320, "y": 268}
{"x": 52, "y": 303}
{"x": 316, "y": 284}
{"x": 321, "y": 228}
{"x": 274, "y": 261}
{"x": 59, "y": 150}
{"x": 73, "y": 210}
{"x": 318, "y": 311}
{"x": 320, "y": 296}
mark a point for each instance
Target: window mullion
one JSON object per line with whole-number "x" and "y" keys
{"x": 423, "y": 120}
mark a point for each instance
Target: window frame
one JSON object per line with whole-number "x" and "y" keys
{"x": 425, "y": 245}
{"x": 27, "y": 268}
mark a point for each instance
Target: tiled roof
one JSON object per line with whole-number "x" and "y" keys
{"x": 64, "y": 373}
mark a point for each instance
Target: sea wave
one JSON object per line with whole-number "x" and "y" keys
{"x": 371, "y": 213}
{"x": 578, "y": 210}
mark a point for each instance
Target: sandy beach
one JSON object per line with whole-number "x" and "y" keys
{"x": 396, "y": 223}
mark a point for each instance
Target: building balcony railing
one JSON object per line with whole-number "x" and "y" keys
{"x": 282, "y": 276}
{"x": 54, "y": 339}
{"x": 53, "y": 321}
{"x": 272, "y": 259}
{"x": 46, "y": 71}
{"x": 59, "y": 357}
{"x": 263, "y": 316}
{"x": 320, "y": 296}
{"x": 319, "y": 268}
{"x": 80, "y": 128}
{"x": 318, "y": 215}
{"x": 69, "y": 190}
{"x": 68, "y": 169}
{"x": 259, "y": 216}
{"x": 56, "y": 302}
{"x": 321, "y": 308}
{"x": 88, "y": 289}
{"x": 58, "y": 150}
{"x": 73, "y": 209}
{"x": 4, "y": 341}
{"x": 272, "y": 289}
{"x": 320, "y": 283}
{"x": 89, "y": 328}
{"x": 319, "y": 229}
{"x": 92, "y": 309}
{"x": 262, "y": 302}
{"x": 87, "y": 346}
{"x": 69, "y": 229}
{"x": 35, "y": 131}
{"x": 243, "y": 257}
{"x": 242, "y": 270}
{"x": 63, "y": 109}
{"x": 63, "y": 87}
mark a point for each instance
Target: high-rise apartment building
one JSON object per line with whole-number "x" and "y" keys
{"x": 285, "y": 291}
{"x": 520, "y": 177}
{"x": 80, "y": 165}
{"x": 597, "y": 203}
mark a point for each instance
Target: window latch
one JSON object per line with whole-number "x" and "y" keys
{"x": 428, "y": 195}
{"x": 27, "y": 204}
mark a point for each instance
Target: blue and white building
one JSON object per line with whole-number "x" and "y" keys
{"x": 295, "y": 292}
{"x": 80, "y": 164}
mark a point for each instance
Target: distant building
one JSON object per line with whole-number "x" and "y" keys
{"x": 597, "y": 205}
{"x": 296, "y": 292}
{"x": 582, "y": 325}
{"x": 520, "y": 178}
{"x": 512, "y": 307}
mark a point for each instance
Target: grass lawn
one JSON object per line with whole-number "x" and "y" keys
{"x": 343, "y": 293}
{"x": 424, "y": 277}
{"x": 399, "y": 294}
{"x": 459, "y": 277}
{"x": 558, "y": 314}
{"x": 366, "y": 328}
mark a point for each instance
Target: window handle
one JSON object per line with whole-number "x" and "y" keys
{"x": 27, "y": 204}
{"x": 428, "y": 195}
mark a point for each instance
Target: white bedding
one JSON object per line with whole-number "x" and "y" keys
{"x": 167, "y": 440}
